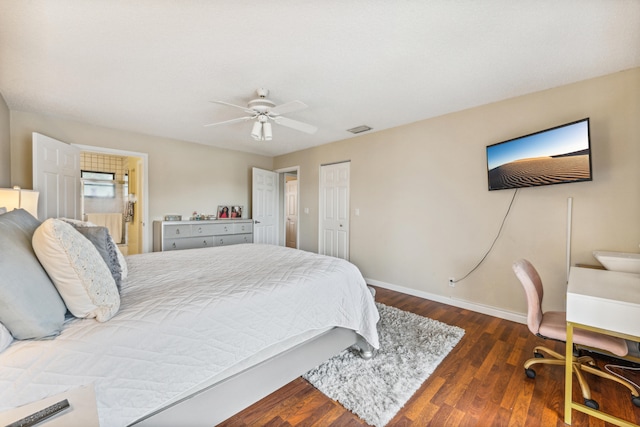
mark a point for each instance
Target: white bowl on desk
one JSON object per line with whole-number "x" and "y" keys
{"x": 619, "y": 261}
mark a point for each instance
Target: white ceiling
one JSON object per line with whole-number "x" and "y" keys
{"x": 152, "y": 66}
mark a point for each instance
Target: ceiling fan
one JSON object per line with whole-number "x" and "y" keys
{"x": 263, "y": 111}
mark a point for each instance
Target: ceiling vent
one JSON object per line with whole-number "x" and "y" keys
{"x": 359, "y": 129}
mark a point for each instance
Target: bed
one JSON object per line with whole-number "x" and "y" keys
{"x": 198, "y": 334}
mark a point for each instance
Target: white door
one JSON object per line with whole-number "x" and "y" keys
{"x": 334, "y": 210}
{"x": 56, "y": 175}
{"x": 291, "y": 214}
{"x": 264, "y": 206}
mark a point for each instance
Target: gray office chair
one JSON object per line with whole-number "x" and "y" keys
{"x": 553, "y": 325}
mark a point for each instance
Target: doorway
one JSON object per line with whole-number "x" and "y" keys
{"x": 56, "y": 174}
{"x": 130, "y": 173}
{"x": 291, "y": 209}
{"x": 104, "y": 190}
{"x": 275, "y": 206}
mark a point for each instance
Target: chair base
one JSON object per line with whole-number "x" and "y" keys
{"x": 580, "y": 364}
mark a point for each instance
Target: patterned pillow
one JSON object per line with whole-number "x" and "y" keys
{"x": 114, "y": 251}
{"x": 99, "y": 237}
{"x": 122, "y": 261}
{"x": 77, "y": 270}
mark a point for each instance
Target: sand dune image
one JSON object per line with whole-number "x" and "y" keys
{"x": 539, "y": 171}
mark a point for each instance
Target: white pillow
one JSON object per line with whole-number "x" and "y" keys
{"x": 77, "y": 270}
{"x": 5, "y": 338}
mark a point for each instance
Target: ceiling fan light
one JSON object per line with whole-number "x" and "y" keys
{"x": 256, "y": 133}
{"x": 266, "y": 129}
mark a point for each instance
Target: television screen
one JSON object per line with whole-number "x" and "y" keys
{"x": 553, "y": 156}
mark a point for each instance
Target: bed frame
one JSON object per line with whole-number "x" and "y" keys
{"x": 216, "y": 403}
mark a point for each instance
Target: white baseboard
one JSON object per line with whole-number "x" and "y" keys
{"x": 467, "y": 305}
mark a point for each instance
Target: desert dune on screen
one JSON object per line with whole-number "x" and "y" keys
{"x": 540, "y": 171}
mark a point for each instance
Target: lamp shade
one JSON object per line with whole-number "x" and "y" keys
{"x": 266, "y": 129}
{"x": 15, "y": 198}
{"x": 9, "y": 198}
{"x": 256, "y": 133}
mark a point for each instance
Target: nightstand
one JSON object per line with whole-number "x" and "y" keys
{"x": 82, "y": 411}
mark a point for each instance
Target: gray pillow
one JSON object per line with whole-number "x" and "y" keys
{"x": 30, "y": 306}
{"x": 99, "y": 236}
{"x": 114, "y": 251}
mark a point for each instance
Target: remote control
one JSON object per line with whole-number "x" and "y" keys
{"x": 38, "y": 417}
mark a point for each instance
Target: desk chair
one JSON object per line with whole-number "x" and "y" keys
{"x": 553, "y": 325}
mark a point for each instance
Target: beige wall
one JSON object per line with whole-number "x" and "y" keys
{"x": 5, "y": 145}
{"x": 426, "y": 213}
{"x": 183, "y": 177}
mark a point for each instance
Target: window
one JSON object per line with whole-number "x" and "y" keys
{"x": 93, "y": 187}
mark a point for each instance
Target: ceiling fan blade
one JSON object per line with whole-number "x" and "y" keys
{"x": 226, "y": 122}
{"x": 245, "y": 109}
{"x": 294, "y": 124}
{"x": 288, "y": 107}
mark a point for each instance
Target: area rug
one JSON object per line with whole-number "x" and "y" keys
{"x": 411, "y": 347}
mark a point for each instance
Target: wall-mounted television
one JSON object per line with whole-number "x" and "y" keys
{"x": 552, "y": 156}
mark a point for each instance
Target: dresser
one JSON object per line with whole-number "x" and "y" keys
{"x": 175, "y": 235}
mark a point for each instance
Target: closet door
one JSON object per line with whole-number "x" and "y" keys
{"x": 334, "y": 210}
{"x": 264, "y": 206}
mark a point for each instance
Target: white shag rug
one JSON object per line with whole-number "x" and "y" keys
{"x": 411, "y": 347}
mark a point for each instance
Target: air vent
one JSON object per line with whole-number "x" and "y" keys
{"x": 359, "y": 129}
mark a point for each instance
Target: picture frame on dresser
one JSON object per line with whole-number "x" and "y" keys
{"x": 224, "y": 212}
{"x": 236, "y": 212}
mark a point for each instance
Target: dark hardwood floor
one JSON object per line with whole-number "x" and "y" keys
{"x": 480, "y": 383}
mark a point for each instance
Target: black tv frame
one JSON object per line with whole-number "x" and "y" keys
{"x": 517, "y": 176}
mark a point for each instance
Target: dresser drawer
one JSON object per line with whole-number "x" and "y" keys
{"x": 244, "y": 227}
{"x": 188, "y": 243}
{"x": 232, "y": 239}
{"x": 212, "y": 229}
{"x": 178, "y": 230}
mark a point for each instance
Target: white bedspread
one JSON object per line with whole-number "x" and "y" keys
{"x": 178, "y": 326}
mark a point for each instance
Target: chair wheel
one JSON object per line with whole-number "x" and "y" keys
{"x": 636, "y": 401}
{"x": 538, "y": 355}
{"x": 530, "y": 373}
{"x": 592, "y": 404}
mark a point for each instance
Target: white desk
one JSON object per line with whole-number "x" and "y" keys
{"x": 602, "y": 301}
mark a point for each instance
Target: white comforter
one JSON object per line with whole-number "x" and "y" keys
{"x": 186, "y": 316}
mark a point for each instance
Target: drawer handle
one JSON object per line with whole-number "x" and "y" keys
{"x": 177, "y": 231}
{"x": 173, "y": 245}
{"x": 200, "y": 230}
{"x": 204, "y": 243}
